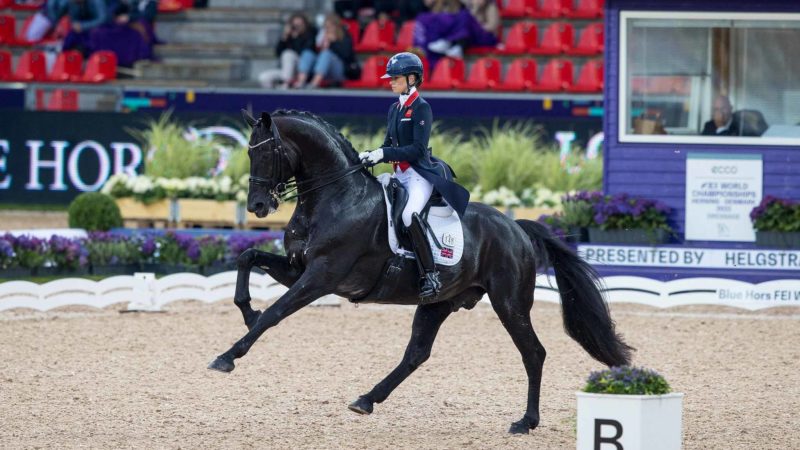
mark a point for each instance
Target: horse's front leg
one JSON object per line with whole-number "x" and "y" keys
{"x": 276, "y": 266}
{"x": 310, "y": 286}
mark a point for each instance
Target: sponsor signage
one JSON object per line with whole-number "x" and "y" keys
{"x": 682, "y": 257}
{"x": 721, "y": 190}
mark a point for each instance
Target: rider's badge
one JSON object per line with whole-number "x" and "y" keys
{"x": 448, "y": 239}
{"x": 408, "y": 113}
{"x": 422, "y": 122}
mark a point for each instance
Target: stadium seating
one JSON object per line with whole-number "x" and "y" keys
{"x": 556, "y": 76}
{"x": 552, "y": 9}
{"x": 405, "y": 37}
{"x": 101, "y": 67}
{"x": 7, "y": 26}
{"x": 371, "y": 71}
{"x": 67, "y": 67}
{"x": 521, "y": 37}
{"x": 63, "y": 100}
{"x": 29, "y": 6}
{"x": 353, "y": 28}
{"x": 32, "y": 66}
{"x": 5, "y": 3}
{"x": 448, "y": 74}
{"x": 590, "y": 41}
{"x": 587, "y": 9}
{"x": 378, "y": 36}
{"x": 557, "y": 38}
{"x": 483, "y": 75}
{"x": 590, "y": 78}
{"x": 521, "y": 76}
{"x": 172, "y": 6}
{"x": 5, "y": 65}
{"x": 515, "y": 9}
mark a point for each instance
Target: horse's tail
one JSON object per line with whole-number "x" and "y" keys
{"x": 586, "y": 316}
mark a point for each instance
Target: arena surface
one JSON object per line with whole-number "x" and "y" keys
{"x": 81, "y": 377}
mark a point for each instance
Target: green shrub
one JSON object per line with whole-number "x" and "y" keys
{"x": 173, "y": 156}
{"x": 94, "y": 211}
{"x": 627, "y": 380}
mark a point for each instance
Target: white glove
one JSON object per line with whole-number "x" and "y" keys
{"x": 373, "y": 157}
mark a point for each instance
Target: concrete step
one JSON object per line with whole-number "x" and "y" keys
{"x": 287, "y": 5}
{"x": 255, "y": 34}
{"x": 208, "y": 70}
{"x": 225, "y": 15}
{"x": 218, "y": 51}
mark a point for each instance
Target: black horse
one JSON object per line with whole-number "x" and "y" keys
{"x": 336, "y": 243}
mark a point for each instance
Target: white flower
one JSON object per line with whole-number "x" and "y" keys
{"x": 142, "y": 184}
{"x": 241, "y": 196}
{"x": 120, "y": 178}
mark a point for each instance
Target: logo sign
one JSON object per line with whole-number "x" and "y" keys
{"x": 448, "y": 239}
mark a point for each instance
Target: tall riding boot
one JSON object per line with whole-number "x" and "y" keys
{"x": 429, "y": 277}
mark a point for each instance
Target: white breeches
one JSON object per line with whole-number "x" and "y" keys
{"x": 419, "y": 191}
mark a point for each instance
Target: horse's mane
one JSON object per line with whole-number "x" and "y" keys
{"x": 347, "y": 147}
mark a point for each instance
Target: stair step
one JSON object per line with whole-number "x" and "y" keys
{"x": 219, "y": 51}
{"x": 216, "y": 70}
{"x": 255, "y": 34}
{"x": 293, "y": 5}
{"x": 225, "y": 15}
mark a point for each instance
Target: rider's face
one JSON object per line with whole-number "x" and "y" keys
{"x": 398, "y": 84}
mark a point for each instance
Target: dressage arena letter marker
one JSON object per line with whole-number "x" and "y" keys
{"x": 599, "y": 440}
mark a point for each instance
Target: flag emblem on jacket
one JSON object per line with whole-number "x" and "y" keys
{"x": 447, "y": 253}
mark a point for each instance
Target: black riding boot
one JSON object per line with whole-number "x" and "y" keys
{"x": 429, "y": 277}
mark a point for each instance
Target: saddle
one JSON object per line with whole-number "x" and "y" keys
{"x": 398, "y": 198}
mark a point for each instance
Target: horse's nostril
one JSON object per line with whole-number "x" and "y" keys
{"x": 259, "y": 206}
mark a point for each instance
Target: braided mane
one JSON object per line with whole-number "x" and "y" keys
{"x": 347, "y": 147}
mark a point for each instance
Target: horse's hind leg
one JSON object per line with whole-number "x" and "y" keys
{"x": 276, "y": 266}
{"x": 427, "y": 321}
{"x": 512, "y": 302}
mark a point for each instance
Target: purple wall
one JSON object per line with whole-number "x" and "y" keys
{"x": 658, "y": 170}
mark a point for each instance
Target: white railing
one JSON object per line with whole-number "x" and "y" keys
{"x": 143, "y": 292}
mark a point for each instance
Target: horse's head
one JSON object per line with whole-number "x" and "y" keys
{"x": 270, "y": 166}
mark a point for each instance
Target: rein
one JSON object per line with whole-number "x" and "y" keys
{"x": 282, "y": 190}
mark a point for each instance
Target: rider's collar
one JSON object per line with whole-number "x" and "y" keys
{"x": 412, "y": 95}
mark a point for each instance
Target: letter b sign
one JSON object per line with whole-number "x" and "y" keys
{"x": 599, "y": 439}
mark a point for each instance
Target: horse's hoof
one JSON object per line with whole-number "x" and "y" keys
{"x": 524, "y": 425}
{"x": 222, "y": 365}
{"x": 361, "y": 406}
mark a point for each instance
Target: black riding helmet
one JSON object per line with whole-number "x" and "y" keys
{"x": 405, "y": 64}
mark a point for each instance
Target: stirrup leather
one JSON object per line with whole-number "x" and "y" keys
{"x": 429, "y": 276}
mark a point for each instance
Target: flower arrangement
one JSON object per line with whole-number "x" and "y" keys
{"x": 104, "y": 248}
{"x": 776, "y": 214}
{"x": 627, "y": 380}
{"x": 579, "y": 208}
{"x": 622, "y": 212}
{"x": 148, "y": 190}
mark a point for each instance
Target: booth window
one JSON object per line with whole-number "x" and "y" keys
{"x": 710, "y": 78}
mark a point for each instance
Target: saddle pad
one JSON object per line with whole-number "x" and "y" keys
{"x": 446, "y": 226}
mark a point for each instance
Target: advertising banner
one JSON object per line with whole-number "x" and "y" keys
{"x": 721, "y": 190}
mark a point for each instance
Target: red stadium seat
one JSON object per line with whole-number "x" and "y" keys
{"x": 5, "y": 3}
{"x": 587, "y": 9}
{"x": 27, "y": 6}
{"x": 483, "y": 75}
{"x": 552, "y": 9}
{"x": 67, "y": 67}
{"x": 556, "y": 76}
{"x": 521, "y": 37}
{"x": 63, "y": 100}
{"x": 378, "y": 36}
{"x": 518, "y": 8}
{"x": 5, "y": 65}
{"x": 405, "y": 37}
{"x": 371, "y": 71}
{"x": 32, "y": 66}
{"x": 101, "y": 67}
{"x": 590, "y": 41}
{"x": 521, "y": 76}
{"x": 448, "y": 74}
{"x": 590, "y": 78}
{"x": 172, "y": 6}
{"x": 21, "y": 38}
{"x": 557, "y": 38}
{"x": 7, "y": 26}
{"x": 353, "y": 28}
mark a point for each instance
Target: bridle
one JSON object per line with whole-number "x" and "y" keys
{"x": 282, "y": 190}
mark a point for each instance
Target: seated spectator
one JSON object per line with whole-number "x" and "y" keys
{"x": 721, "y": 123}
{"x": 410, "y": 9}
{"x": 336, "y": 60}
{"x": 84, "y": 15}
{"x": 130, "y": 32}
{"x": 43, "y": 21}
{"x": 298, "y": 35}
{"x": 449, "y": 28}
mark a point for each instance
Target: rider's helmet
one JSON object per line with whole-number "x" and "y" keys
{"x": 405, "y": 63}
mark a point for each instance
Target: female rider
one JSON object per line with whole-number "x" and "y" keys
{"x": 406, "y": 147}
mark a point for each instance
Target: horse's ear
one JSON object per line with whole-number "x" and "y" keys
{"x": 248, "y": 118}
{"x": 266, "y": 119}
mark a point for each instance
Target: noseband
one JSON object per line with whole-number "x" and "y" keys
{"x": 281, "y": 190}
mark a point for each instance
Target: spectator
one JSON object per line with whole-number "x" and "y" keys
{"x": 84, "y": 15}
{"x": 450, "y": 28}
{"x": 721, "y": 123}
{"x": 336, "y": 60}
{"x": 298, "y": 36}
{"x": 410, "y": 9}
{"x": 43, "y": 21}
{"x": 130, "y": 32}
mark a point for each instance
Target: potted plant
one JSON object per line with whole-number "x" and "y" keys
{"x": 777, "y": 222}
{"x": 65, "y": 256}
{"x": 578, "y": 214}
{"x": 621, "y": 219}
{"x": 30, "y": 253}
{"x": 112, "y": 254}
{"x": 631, "y": 408}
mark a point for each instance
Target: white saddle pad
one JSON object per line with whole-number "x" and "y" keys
{"x": 446, "y": 226}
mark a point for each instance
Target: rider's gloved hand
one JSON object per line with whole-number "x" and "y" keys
{"x": 373, "y": 157}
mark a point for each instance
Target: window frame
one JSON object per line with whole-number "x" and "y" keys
{"x": 623, "y": 100}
